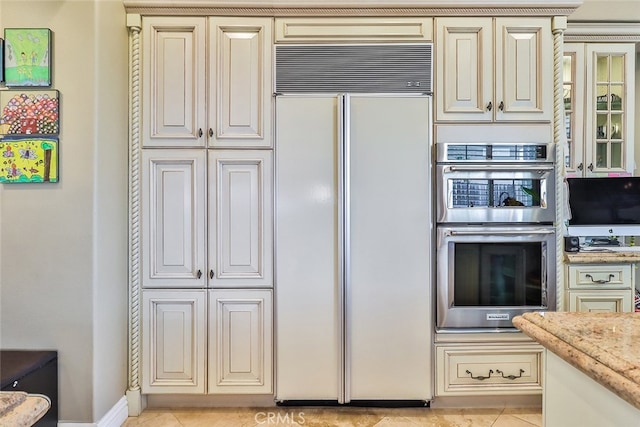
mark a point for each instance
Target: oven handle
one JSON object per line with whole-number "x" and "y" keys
{"x": 498, "y": 168}
{"x": 499, "y": 233}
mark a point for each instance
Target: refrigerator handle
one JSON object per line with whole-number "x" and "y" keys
{"x": 345, "y": 198}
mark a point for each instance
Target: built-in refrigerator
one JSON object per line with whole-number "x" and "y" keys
{"x": 353, "y": 248}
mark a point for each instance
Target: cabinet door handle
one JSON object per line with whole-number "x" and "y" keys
{"x": 199, "y": 274}
{"x": 600, "y": 281}
{"x": 580, "y": 166}
{"x": 210, "y": 133}
{"x": 501, "y": 106}
{"x": 200, "y": 133}
{"x": 510, "y": 377}
{"x": 489, "y": 106}
{"x": 210, "y": 274}
{"x": 590, "y": 167}
{"x": 480, "y": 377}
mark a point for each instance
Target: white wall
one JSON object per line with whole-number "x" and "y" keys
{"x": 63, "y": 271}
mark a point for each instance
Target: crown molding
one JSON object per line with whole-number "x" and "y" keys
{"x": 602, "y": 32}
{"x": 376, "y": 8}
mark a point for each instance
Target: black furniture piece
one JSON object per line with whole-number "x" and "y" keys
{"x": 32, "y": 371}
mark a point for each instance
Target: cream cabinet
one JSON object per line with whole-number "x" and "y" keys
{"x": 353, "y": 29}
{"x": 488, "y": 368}
{"x": 216, "y": 341}
{"x": 599, "y": 89}
{"x": 206, "y": 81}
{"x": 600, "y": 287}
{"x": 240, "y": 329}
{"x": 493, "y": 69}
{"x": 186, "y": 245}
{"x": 174, "y": 341}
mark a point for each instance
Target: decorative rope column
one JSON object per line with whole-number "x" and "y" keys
{"x": 559, "y": 25}
{"x": 134, "y": 23}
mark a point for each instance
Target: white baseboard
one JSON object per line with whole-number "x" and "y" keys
{"x": 116, "y": 416}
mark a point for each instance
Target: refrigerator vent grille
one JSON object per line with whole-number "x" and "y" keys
{"x": 373, "y": 68}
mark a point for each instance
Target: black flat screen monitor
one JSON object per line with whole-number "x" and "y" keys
{"x": 604, "y": 206}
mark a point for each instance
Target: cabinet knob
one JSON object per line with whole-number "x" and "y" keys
{"x": 200, "y": 133}
{"x": 590, "y": 167}
{"x": 489, "y": 106}
{"x": 580, "y": 166}
{"x": 210, "y": 274}
{"x": 199, "y": 274}
{"x": 501, "y": 106}
{"x": 210, "y": 133}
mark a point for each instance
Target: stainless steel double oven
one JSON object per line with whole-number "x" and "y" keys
{"x": 495, "y": 234}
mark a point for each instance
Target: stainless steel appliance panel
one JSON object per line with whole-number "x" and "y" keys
{"x": 488, "y": 275}
{"x": 490, "y": 193}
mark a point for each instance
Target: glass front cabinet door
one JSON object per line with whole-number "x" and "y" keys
{"x": 598, "y": 101}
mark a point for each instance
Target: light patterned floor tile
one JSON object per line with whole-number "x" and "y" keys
{"x": 338, "y": 417}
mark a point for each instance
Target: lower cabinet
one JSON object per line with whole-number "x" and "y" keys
{"x": 488, "y": 369}
{"x": 207, "y": 341}
{"x": 605, "y": 287}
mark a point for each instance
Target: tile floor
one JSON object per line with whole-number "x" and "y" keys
{"x": 338, "y": 417}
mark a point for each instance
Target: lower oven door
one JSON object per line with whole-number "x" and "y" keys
{"x": 488, "y": 275}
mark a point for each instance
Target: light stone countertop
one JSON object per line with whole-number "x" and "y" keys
{"x": 20, "y": 409}
{"x": 605, "y": 346}
{"x": 602, "y": 257}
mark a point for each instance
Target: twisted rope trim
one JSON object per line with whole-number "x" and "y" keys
{"x": 134, "y": 211}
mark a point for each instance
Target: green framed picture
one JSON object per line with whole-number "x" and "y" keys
{"x": 27, "y": 57}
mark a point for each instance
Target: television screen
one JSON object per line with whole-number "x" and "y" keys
{"x": 604, "y": 201}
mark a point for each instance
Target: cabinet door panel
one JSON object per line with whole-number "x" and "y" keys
{"x": 464, "y": 69}
{"x": 173, "y": 335}
{"x": 601, "y": 301}
{"x": 240, "y": 92}
{"x": 240, "y": 341}
{"x": 173, "y": 56}
{"x": 524, "y": 76}
{"x": 173, "y": 218}
{"x": 240, "y": 225}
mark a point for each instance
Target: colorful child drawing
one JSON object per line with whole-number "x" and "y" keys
{"x": 29, "y": 160}
{"x": 27, "y": 57}
{"x": 29, "y": 112}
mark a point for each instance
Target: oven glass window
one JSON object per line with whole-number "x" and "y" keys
{"x": 495, "y": 192}
{"x": 498, "y": 274}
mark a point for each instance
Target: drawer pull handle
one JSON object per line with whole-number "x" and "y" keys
{"x": 510, "y": 377}
{"x": 480, "y": 377}
{"x": 611, "y": 276}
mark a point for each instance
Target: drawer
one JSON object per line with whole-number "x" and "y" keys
{"x": 488, "y": 370}
{"x": 587, "y": 276}
{"x": 601, "y": 301}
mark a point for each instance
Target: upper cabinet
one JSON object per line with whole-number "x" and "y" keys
{"x": 599, "y": 91}
{"x": 353, "y": 29}
{"x": 206, "y": 82}
{"x": 494, "y": 70}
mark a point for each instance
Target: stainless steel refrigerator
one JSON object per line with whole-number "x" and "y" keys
{"x": 353, "y": 248}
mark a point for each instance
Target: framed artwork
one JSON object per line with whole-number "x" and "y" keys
{"x": 29, "y": 159}
{"x": 29, "y": 112}
{"x": 1, "y": 60}
{"x": 27, "y": 57}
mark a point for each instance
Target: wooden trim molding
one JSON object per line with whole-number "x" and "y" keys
{"x": 602, "y": 32}
{"x": 337, "y": 8}
{"x": 134, "y": 22}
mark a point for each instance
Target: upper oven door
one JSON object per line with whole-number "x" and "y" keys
{"x": 495, "y": 193}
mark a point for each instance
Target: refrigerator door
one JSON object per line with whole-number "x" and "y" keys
{"x": 308, "y": 333}
{"x": 353, "y": 242}
{"x": 388, "y": 282}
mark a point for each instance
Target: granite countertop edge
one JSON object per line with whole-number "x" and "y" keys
{"x": 624, "y": 387}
